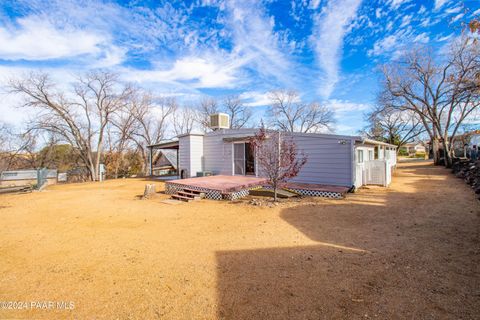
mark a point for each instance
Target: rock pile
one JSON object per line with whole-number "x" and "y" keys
{"x": 469, "y": 171}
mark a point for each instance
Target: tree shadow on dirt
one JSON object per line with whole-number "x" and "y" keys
{"x": 378, "y": 254}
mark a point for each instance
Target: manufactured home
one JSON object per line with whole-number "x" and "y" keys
{"x": 335, "y": 161}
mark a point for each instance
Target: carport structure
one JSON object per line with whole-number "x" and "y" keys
{"x": 166, "y": 145}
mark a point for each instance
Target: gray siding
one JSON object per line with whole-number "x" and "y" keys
{"x": 328, "y": 161}
{"x": 196, "y": 155}
{"x": 191, "y": 154}
{"x": 218, "y": 153}
{"x": 184, "y": 154}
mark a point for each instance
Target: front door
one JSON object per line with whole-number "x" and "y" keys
{"x": 243, "y": 159}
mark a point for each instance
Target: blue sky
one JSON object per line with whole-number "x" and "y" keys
{"x": 327, "y": 50}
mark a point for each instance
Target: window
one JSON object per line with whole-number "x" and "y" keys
{"x": 360, "y": 156}
{"x": 370, "y": 154}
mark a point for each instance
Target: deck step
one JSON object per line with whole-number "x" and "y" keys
{"x": 188, "y": 194}
{"x": 182, "y": 198}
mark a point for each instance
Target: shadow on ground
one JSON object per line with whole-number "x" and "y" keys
{"x": 409, "y": 252}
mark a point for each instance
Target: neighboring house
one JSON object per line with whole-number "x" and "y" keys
{"x": 414, "y": 147}
{"x": 165, "y": 163}
{"x": 335, "y": 160}
{"x": 463, "y": 143}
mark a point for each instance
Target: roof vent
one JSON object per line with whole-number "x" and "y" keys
{"x": 219, "y": 121}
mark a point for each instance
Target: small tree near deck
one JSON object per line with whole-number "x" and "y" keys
{"x": 277, "y": 157}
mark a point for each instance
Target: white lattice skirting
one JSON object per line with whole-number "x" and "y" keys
{"x": 313, "y": 193}
{"x": 171, "y": 188}
{"x": 317, "y": 193}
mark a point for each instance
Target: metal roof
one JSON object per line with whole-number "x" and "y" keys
{"x": 380, "y": 143}
{"x": 171, "y": 156}
{"x": 167, "y": 144}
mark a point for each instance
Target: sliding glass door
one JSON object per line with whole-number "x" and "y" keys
{"x": 243, "y": 159}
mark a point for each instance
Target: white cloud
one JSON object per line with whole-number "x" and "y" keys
{"x": 255, "y": 99}
{"x": 331, "y": 26}
{"x": 193, "y": 71}
{"x": 445, "y": 38}
{"x": 342, "y": 107}
{"x": 384, "y": 45}
{"x": 406, "y": 20}
{"x": 397, "y": 3}
{"x": 457, "y": 17}
{"x": 314, "y": 4}
{"x": 207, "y": 73}
{"x": 422, "y": 38}
{"x": 453, "y": 10}
{"x": 389, "y": 26}
{"x": 440, "y": 3}
{"x": 257, "y": 45}
{"x": 37, "y": 39}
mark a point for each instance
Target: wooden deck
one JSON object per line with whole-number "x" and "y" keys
{"x": 223, "y": 184}
{"x": 228, "y": 184}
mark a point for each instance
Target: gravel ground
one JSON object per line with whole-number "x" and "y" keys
{"x": 407, "y": 251}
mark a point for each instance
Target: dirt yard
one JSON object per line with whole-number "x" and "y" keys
{"x": 409, "y": 251}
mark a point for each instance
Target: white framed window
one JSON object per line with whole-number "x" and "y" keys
{"x": 359, "y": 156}
{"x": 370, "y": 155}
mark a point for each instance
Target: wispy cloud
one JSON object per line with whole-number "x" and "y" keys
{"x": 397, "y": 3}
{"x": 255, "y": 98}
{"x": 440, "y": 3}
{"x": 256, "y": 43}
{"x": 330, "y": 28}
{"x": 216, "y": 47}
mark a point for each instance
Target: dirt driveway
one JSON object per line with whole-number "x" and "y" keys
{"x": 407, "y": 252}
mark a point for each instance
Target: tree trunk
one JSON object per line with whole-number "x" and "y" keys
{"x": 446, "y": 154}
{"x": 93, "y": 175}
{"x": 436, "y": 151}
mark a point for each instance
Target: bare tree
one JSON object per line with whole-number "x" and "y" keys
{"x": 151, "y": 117}
{"x": 288, "y": 113}
{"x": 393, "y": 126}
{"x": 184, "y": 120}
{"x": 277, "y": 157}
{"x": 17, "y": 150}
{"x": 441, "y": 92}
{"x": 5, "y": 133}
{"x": 207, "y": 107}
{"x": 119, "y": 133}
{"x": 240, "y": 115}
{"x": 80, "y": 116}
